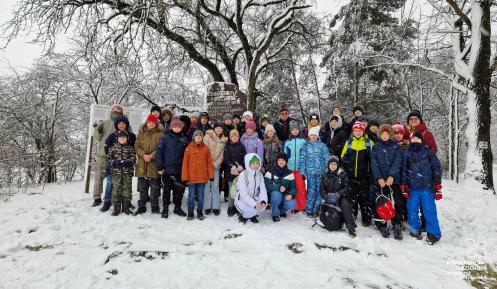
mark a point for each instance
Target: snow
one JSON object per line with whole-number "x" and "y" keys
{"x": 219, "y": 252}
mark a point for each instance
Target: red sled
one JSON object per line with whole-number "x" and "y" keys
{"x": 301, "y": 197}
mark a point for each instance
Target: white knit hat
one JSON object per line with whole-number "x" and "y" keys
{"x": 248, "y": 113}
{"x": 314, "y": 131}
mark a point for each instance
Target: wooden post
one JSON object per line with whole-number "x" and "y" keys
{"x": 89, "y": 152}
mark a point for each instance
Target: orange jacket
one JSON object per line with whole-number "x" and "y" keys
{"x": 198, "y": 167}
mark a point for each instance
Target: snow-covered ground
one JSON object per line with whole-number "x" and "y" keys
{"x": 83, "y": 248}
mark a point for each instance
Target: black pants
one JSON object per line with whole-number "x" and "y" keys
{"x": 360, "y": 197}
{"x": 172, "y": 182}
{"x": 398, "y": 199}
{"x": 347, "y": 214}
{"x": 144, "y": 184}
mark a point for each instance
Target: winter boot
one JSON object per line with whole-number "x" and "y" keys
{"x": 352, "y": 233}
{"x": 190, "y": 216}
{"x": 254, "y": 220}
{"x": 130, "y": 206}
{"x": 216, "y": 212}
{"x": 231, "y": 211}
{"x": 200, "y": 216}
{"x": 384, "y": 231}
{"x": 165, "y": 212}
{"x": 96, "y": 202}
{"x": 276, "y": 219}
{"x": 416, "y": 235}
{"x": 366, "y": 223}
{"x": 140, "y": 210}
{"x": 431, "y": 239}
{"x": 125, "y": 206}
{"x": 242, "y": 219}
{"x": 283, "y": 215}
{"x": 178, "y": 211}
{"x": 208, "y": 212}
{"x": 155, "y": 210}
{"x": 397, "y": 232}
{"x": 117, "y": 209}
{"x": 105, "y": 207}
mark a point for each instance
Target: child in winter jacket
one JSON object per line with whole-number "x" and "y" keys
{"x": 312, "y": 164}
{"x": 234, "y": 153}
{"x": 251, "y": 140}
{"x": 386, "y": 162}
{"x": 215, "y": 141}
{"x": 252, "y": 194}
{"x": 421, "y": 185}
{"x": 197, "y": 170}
{"x": 280, "y": 183}
{"x": 121, "y": 159}
{"x": 335, "y": 190}
{"x": 272, "y": 147}
{"x": 293, "y": 146}
{"x": 356, "y": 159}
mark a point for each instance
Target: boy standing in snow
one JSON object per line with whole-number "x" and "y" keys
{"x": 121, "y": 159}
{"x": 312, "y": 164}
{"x": 421, "y": 185}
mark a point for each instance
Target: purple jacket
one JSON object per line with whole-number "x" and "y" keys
{"x": 253, "y": 144}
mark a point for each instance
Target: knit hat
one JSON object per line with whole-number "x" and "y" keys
{"x": 117, "y": 106}
{"x": 374, "y": 123}
{"x": 398, "y": 128}
{"x": 250, "y": 125}
{"x": 234, "y": 132}
{"x": 314, "y": 116}
{"x": 236, "y": 116}
{"x": 227, "y": 116}
{"x": 294, "y": 125}
{"x": 282, "y": 155}
{"x": 204, "y": 114}
{"x": 269, "y": 127}
{"x": 155, "y": 108}
{"x": 358, "y": 125}
{"x": 283, "y": 109}
{"x": 151, "y": 118}
{"x": 195, "y": 114}
{"x": 363, "y": 118}
{"x": 254, "y": 160}
{"x": 359, "y": 108}
{"x": 198, "y": 132}
{"x": 385, "y": 127}
{"x": 217, "y": 124}
{"x": 416, "y": 113}
{"x": 123, "y": 133}
{"x": 417, "y": 134}
{"x": 248, "y": 113}
{"x": 333, "y": 159}
{"x": 314, "y": 131}
{"x": 176, "y": 122}
{"x": 334, "y": 118}
{"x": 265, "y": 117}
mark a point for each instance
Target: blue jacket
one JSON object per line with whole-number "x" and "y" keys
{"x": 386, "y": 161}
{"x": 170, "y": 151}
{"x": 313, "y": 158}
{"x": 421, "y": 167}
{"x": 292, "y": 149}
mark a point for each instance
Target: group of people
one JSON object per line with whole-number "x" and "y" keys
{"x": 261, "y": 165}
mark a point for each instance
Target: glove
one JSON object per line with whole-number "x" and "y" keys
{"x": 211, "y": 180}
{"x": 334, "y": 197}
{"x": 405, "y": 191}
{"x": 437, "y": 193}
{"x": 117, "y": 164}
{"x": 438, "y": 187}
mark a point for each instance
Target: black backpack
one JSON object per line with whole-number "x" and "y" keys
{"x": 329, "y": 215}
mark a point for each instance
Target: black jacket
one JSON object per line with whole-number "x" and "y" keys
{"x": 170, "y": 151}
{"x": 336, "y": 182}
{"x": 338, "y": 141}
{"x": 234, "y": 154}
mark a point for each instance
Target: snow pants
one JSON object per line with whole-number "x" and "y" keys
{"x": 425, "y": 199}
{"x": 314, "y": 199}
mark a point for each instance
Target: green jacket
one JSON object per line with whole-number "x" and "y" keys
{"x": 273, "y": 182}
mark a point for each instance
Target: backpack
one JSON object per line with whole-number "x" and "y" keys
{"x": 385, "y": 206}
{"x": 329, "y": 215}
{"x": 234, "y": 185}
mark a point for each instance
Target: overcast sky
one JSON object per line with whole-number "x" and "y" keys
{"x": 20, "y": 54}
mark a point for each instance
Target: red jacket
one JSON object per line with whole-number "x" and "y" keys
{"x": 428, "y": 138}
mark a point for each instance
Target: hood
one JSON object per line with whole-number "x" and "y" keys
{"x": 168, "y": 110}
{"x": 247, "y": 158}
{"x": 121, "y": 118}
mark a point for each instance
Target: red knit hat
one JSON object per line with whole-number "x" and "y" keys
{"x": 250, "y": 124}
{"x": 358, "y": 125}
{"x": 398, "y": 128}
{"x": 152, "y": 118}
{"x": 176, "y": 122}
{"x": 283, "y": 109}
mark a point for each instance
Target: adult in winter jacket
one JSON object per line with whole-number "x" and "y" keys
{"x": 196, "y": 171}
{"x": 272, "y": 147}
{"x": 313, "y": 122}
{"x": 251, "y": 140}
{"x": 386, "y": 163}
{"x": 334, "y": 189}
{"x": 146, "y": 169}
{"x": 329, "y": 132}
{"x": 280, "y": 183}
{"x": 282, "y": 125}
{"x": 356, "y": 159}
{"x": 312, "y": 165}
{"x": 233, "y": 160}
{"x": 166, "y": 118}
{"x": 169, "y": 159}
{"x": 121, "y": 123}
{"x": 121, "y": 159}
{"x": 293, "y": 146}
{"x": 102, "y": 132}
{"x": 415, "y": 124}
{"x": 252, "y": 195}
{"x": 215, "y": 141}
{"x": 421, "y": 185}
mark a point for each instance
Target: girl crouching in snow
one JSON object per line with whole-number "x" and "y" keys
{"x": 252, "y": 195}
